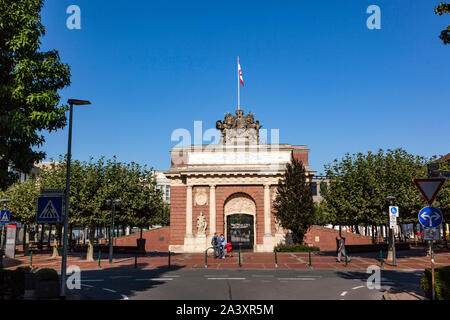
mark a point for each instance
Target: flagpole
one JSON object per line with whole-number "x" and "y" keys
{"x": 239, "y": 88}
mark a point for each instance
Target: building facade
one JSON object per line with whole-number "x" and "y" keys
{"x": 229, "y": 188}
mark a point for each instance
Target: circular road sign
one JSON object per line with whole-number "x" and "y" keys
{"x": 430, "y": 217}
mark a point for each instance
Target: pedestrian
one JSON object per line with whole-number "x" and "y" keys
{"x": 215, "y": 242}
{"x": 341, "y": 249}
{"x": 223, "y": 244}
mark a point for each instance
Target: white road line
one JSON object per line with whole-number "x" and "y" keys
{"x": 216, "y": 275}
{"x": 109, "y": 290}
{"x": 289, "y": 279}
{"x": 155, "y": 279}
{"x": 84, "y": 280}
{"x": 262, "y": 276}
{"x": 124, "y": 297}
{"x": 86, "y": 285}
{"x": 226, "y": 278}
{"x": 358, "y": 287}
{"x": 343, "y": 293}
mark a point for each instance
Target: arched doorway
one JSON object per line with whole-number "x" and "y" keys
{"x": 240, "y": 213}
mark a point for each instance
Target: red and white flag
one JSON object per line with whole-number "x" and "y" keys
{"x": 240, "y": 73}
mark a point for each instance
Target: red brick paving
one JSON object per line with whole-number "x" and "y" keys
{"x": 408, "y": 260}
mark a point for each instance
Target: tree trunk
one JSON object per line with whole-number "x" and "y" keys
{"x": 141, "y": 233}
{"x": 56, "y": 242}
{"x": 90, "y": 251}
{"x": 41, "y": 241}
{"x": 49, "y": 235}
{"x": 357, "y": 229}
{"x": 26, "y": 237}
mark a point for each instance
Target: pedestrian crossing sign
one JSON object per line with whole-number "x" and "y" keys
{"x": 49, "y": 210}
{"x": 4, "y": 216}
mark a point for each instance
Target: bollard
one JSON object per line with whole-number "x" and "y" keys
{"x": 346, "y": 262}
{"x": 381, "y": 258}
{"x": 31, "y": 259}
{"x": 99, "y": 257}
{"x": 135, "y": 261}
{"x": 169, "y": 258}
{"x": 206, "y": 258}
{"x": 309, "y": 253}
{"x": 240, "y": 257}
{"x": 276, "y": 260}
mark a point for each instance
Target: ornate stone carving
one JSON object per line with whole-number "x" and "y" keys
{"x": 239, "y": 129}
{"x": 201, "y": 198}
{"x": 201, "y": 224}
{"x": 240, "y": 203}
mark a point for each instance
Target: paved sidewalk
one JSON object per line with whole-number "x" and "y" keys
{"x": 406, "y": 260}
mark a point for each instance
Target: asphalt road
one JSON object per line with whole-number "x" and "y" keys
{"x": 206, "y": 284}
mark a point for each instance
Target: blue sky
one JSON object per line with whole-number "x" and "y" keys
{"x": 312, "y": 69}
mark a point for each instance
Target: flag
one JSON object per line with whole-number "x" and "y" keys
{"x": 240, "y": 73}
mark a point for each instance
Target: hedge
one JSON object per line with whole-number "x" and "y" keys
{"x": 47, "y": 274}
{"x": 294, "y": 248}
{"x": 441, "y": 283}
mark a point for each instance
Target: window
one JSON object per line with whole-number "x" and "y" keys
{"x": 167, "y": 193}
{"x": 314, "y": 188}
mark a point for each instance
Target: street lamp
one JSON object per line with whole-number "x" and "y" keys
{"x": 394, "y": 258}
{"x": 71, "y": 102}
{"x": 113, "y": 203}
{"x": 4, "y": 201}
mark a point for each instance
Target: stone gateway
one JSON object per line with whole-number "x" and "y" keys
{"x": 229, "y": 188}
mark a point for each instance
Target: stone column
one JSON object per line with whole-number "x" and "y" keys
{"x": 189, "y": 211}
{"x": 267, "y": 220}
{"x": 212, "y": 209}
{"x": 268, "y": 239}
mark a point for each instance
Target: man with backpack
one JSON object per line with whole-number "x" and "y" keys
{"x": 215, "y": 242}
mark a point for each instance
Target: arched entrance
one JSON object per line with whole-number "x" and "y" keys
{"x": 240, "y": 213}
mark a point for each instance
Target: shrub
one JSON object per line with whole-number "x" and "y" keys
{"x": 295, "y": 248}
{"x": 47, "y": 275}
{"x": 441, "y": 283}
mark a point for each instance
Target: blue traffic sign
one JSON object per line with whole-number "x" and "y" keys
{"x": 393, "y": 210}
{"x": 430, "y": 217}
{"x": 49, "y": 210}
{"x": 5, "y": 216}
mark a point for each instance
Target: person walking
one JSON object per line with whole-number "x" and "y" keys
{"x": 215, "y": 242}
{"x": 341, "y": 249}
{"x": 223, "y": 243}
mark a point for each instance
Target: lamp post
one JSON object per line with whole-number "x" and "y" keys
{"x": 71, "y": 102}
{"x": 394, "y": 258}
{"x": 2, "y": 247}
{"x": 112, "y": 203}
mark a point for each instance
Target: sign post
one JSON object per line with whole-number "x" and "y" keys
{"x": 431, "y": 218}
{"x": 393, "y": 214}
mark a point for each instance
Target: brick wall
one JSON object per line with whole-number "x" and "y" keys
{"x": 301, "y": 156}
{"x": 177, "y": 215}
{"x": 156, "y": 240}
{"x": 327, "y": 238}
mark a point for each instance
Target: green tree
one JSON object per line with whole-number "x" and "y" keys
{"x": 440, "y": 10}
{"x": 293, "y": 206}
{"x": 23, "y": 196}
{"x": 29, "y": 84}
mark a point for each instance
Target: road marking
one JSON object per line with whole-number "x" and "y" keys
{"x": 226, "y": 278}
{"x": 86, "y": 285}
{"x": 343, "y": 293}
{"x": 216, "y": 275}
{"x": 124, "y": 297}
{"x": 262, "y": 276}
{"x": 289, "y": 279}
{"x": 358, "y": 287}
{"x": 155, "y": 279}
{"x": 84, "y": 280}
{"x": 109, "y": 290}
